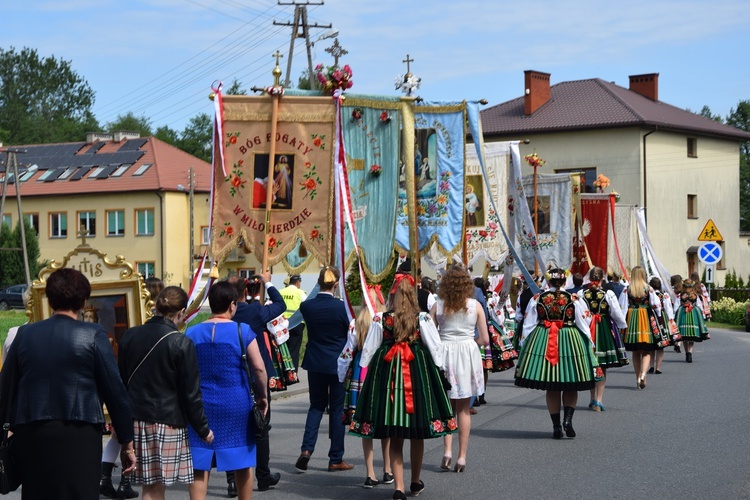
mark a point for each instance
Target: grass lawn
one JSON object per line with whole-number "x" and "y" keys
{"x": 9, "y": 319}
{"x": 727, "y": 326}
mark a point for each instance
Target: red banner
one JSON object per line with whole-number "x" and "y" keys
{"x": 593, "y": 232}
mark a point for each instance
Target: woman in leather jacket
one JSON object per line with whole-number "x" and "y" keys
{"x": 160, "y": 369}
{"x": 58, "y": 373}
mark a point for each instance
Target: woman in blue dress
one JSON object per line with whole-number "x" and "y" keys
{"x": 226, "y": 393}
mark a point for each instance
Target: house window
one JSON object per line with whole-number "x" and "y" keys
{"x": 142, "y": 169}
{"x": 144, "y": 222}
{"x": 245, "y": 272}
{"x": 7, "y": 220}
{"x": 692, "y": 206}
{"x": 88, "y": 220}
{"x": 588, "y": 176}
{"x": 205, "y": 235}
{"x": 120, "y": 170}
{"x": 147, "y": 269}
{"x": 33, "y": 220}
{"x": 115, "y": 222}
{"x": 692, "y": 147}
{"x": 58, "y": 225}
{"x": 95, "y": 172}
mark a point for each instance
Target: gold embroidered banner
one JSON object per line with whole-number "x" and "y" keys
{"x": 301, "y": 173}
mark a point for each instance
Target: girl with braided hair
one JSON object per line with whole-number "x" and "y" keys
{"x": 689, "y": 318}
{"x": 556, "y": 354}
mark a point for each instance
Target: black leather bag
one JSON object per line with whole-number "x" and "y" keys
{"x": 260, "y": 421}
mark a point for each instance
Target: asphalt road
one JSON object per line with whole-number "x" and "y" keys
{"x": 684, "y": 436}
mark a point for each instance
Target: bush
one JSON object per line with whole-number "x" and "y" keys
{"x": 727, "y": 310}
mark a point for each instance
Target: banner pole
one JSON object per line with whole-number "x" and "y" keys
{"x": 270, "y": 184}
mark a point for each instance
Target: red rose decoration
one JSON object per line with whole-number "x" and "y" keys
{"x": 310, "y": 184}
{"x": 483, "y": 233}
{"x": 229, "y": 231}
{"x": 240, "y": 162}
{"x": 365, "y": 429}
{"x": 314, "y": 234}
{"x": 317, "y": 142}
{"x": 437, "y": 426}
{"x": 236, "y": 181}
{"x": 389, "y": 321}
{"x": 233, "y": 139}
{"x": 271, "y": 242}
{"x": 452, "y": 424}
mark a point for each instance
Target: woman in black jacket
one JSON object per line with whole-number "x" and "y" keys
{"x": 160, "y": 369}
{"x": 59, "y": 371}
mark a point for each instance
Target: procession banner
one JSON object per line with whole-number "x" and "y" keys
{"x": 593, "y": 232}
{"x": 301, "y": 174}
{"x": 437, "y": 166}
{"x": 483, "y": 236}
{"x": 372, "y": 138}
{"x": 625, "y": 231}
{"x": 554, "y": 218}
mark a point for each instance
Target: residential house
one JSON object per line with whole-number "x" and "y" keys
{"x": 682, "y": 167}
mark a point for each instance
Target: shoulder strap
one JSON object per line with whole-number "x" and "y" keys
{"x": 147, "y": 355}
{"x": 243, "y": 355}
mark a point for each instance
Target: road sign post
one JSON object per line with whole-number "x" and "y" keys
{"x": 710, "y": 273}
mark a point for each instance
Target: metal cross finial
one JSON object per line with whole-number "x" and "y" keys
{"x": 407, "y": 61}
{"x": 336, "y": 51}
{"x": 278, "y": 55}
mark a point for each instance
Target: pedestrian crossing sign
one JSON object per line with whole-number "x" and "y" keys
{"x": 710, "y": 232}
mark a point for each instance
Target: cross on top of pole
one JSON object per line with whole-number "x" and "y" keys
{"x": 278, "y": 55}
{"x": 407, "y": 61}
{"x": 337, "y": 51}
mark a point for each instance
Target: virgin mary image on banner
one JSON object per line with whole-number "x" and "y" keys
{"x": 282, "y": 181}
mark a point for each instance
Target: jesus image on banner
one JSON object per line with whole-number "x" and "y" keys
{"x": 474, "y": 203}
{"x": 282, "y": 181}
{"x": 425, "y": 165}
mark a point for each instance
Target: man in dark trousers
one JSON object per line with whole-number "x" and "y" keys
{"x": 327, "y": 328}
{"x": 256, "y": 314}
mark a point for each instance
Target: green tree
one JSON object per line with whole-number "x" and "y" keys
{"x": 740, "y": 117}
{"x": 197, "y": 138}
{"x": 168, "y": 135}
{"x": 236, "y": 88}
{"x": 42, "y": 100}
{"x": 130, "y": 123}
{"x": 706, "y": 112}
{"x": 6, "y": 255}
{"x": 13, "y": 270}
{"x": 303, "y": 83}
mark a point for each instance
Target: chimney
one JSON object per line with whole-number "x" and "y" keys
{"x": 536, "y": 91}
{"x": 92, "y": 137}
{"x": 119, "y": 135}
{"x": 647, "y": 85}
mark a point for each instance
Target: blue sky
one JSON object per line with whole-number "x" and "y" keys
{"x": 158, "y": 58}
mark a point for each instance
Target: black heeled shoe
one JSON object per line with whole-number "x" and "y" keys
{"x": 399, "y": 495}
{"x": 416, "y": 488}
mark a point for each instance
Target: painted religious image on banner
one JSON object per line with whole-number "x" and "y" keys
{"x": 283, "y": 180}
{"x": 425, "y": 165}
{"x": 474, "y": 201}
{"x": 543, "y": 213}
{"x": 110, "y": 311}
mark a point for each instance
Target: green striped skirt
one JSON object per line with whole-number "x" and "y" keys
{"x": 609, "y": 349}
{"x": 643, "y": 332}
{"x": 691, "y": 325}
{"x": 576, "y": 369}
{"x": 385, "y": 398}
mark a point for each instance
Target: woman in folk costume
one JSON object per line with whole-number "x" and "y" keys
{"x": 403, "y": 395}
{"x": 666, "y": 323}
{"x": 353, "y": 376}
{"x": 643, "y": 334}
{"x": 676, "y": 282}
{"x": 501, "y": 333}
{"x": 606, "y": 321}
{"x": 458, "y": 316}
{"x": 701, "y": 290}
{"x": 556, "y": 353}
{"x": 689, "y": 318}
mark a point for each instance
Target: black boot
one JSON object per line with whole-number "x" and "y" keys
{"x": 568, "y": 421}
{"x": 125, "y": 490}
{"x": 689, "y": 357}
{"x": 105, "y": 482}
{"x": 557, "y": 432}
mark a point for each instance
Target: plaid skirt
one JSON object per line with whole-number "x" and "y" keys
{"x": 163, "y": 454}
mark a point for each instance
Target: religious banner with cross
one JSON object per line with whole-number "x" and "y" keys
{"x": 301, "y": 174}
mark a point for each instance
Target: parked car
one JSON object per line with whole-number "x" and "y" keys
{"x": 12, "y": 297}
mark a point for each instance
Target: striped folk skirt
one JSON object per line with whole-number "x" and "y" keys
{"x": 355, "y": 378}
{"x": 691, "y": 325}
{"x": 284, "y": 372}
{"x": 402, "y": 396}
{"x": 575, "y": 370}
{"x": 608, "y": 346}
{"x": 643, "y": 332}
{"x": 502, "y": 352}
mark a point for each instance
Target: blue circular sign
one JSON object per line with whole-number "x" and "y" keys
{"x": 709, "y": 252}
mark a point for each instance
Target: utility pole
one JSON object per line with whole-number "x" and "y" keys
{"x": 300, "y": 29}
{"x": 192, "y": 221}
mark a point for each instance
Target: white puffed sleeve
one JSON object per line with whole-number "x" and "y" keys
{"x": 699, "y": 305}
{"x": 623, "y": 301}
{"x": 530, "y": 319}
{"x": 373, "y": 340}
{"x": 614, "y": 310}
{"x": 668, "y": 307}
{"x": 345, "y": 358}
{"x": 431, "y": 338}
{"x": 582, "y": 315}
{"x": 654, "y": 300}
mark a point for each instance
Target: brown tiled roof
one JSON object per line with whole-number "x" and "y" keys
{"x": 169, "y": 168}
{"x": 596, "y": 104}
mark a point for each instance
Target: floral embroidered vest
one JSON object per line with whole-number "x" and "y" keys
{"x": 553, "y": 307}
{"x": 597, "y": 302}
{"x": 638, "y": 302}
{"x": 688, "y": 298}
{"x": 388, "y": 325}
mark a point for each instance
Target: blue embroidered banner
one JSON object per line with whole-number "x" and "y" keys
{"x": 438, "y": 168}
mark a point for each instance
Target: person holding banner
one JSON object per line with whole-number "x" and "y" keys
{"x": 556, "y": 353}
{"x": 643, "y": 335}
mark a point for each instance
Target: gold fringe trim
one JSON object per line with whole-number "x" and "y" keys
{"x": 354, "y": 102}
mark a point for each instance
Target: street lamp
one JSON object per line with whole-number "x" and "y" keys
{"x": 11, "y": 161}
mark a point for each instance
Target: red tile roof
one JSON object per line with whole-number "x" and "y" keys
{"x": 170, "y": 167}
{"x": 596, "y": 104}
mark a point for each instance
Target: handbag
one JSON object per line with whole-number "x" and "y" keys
{"x": 260, "y": 420}
{"x": 10, "y": 475}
